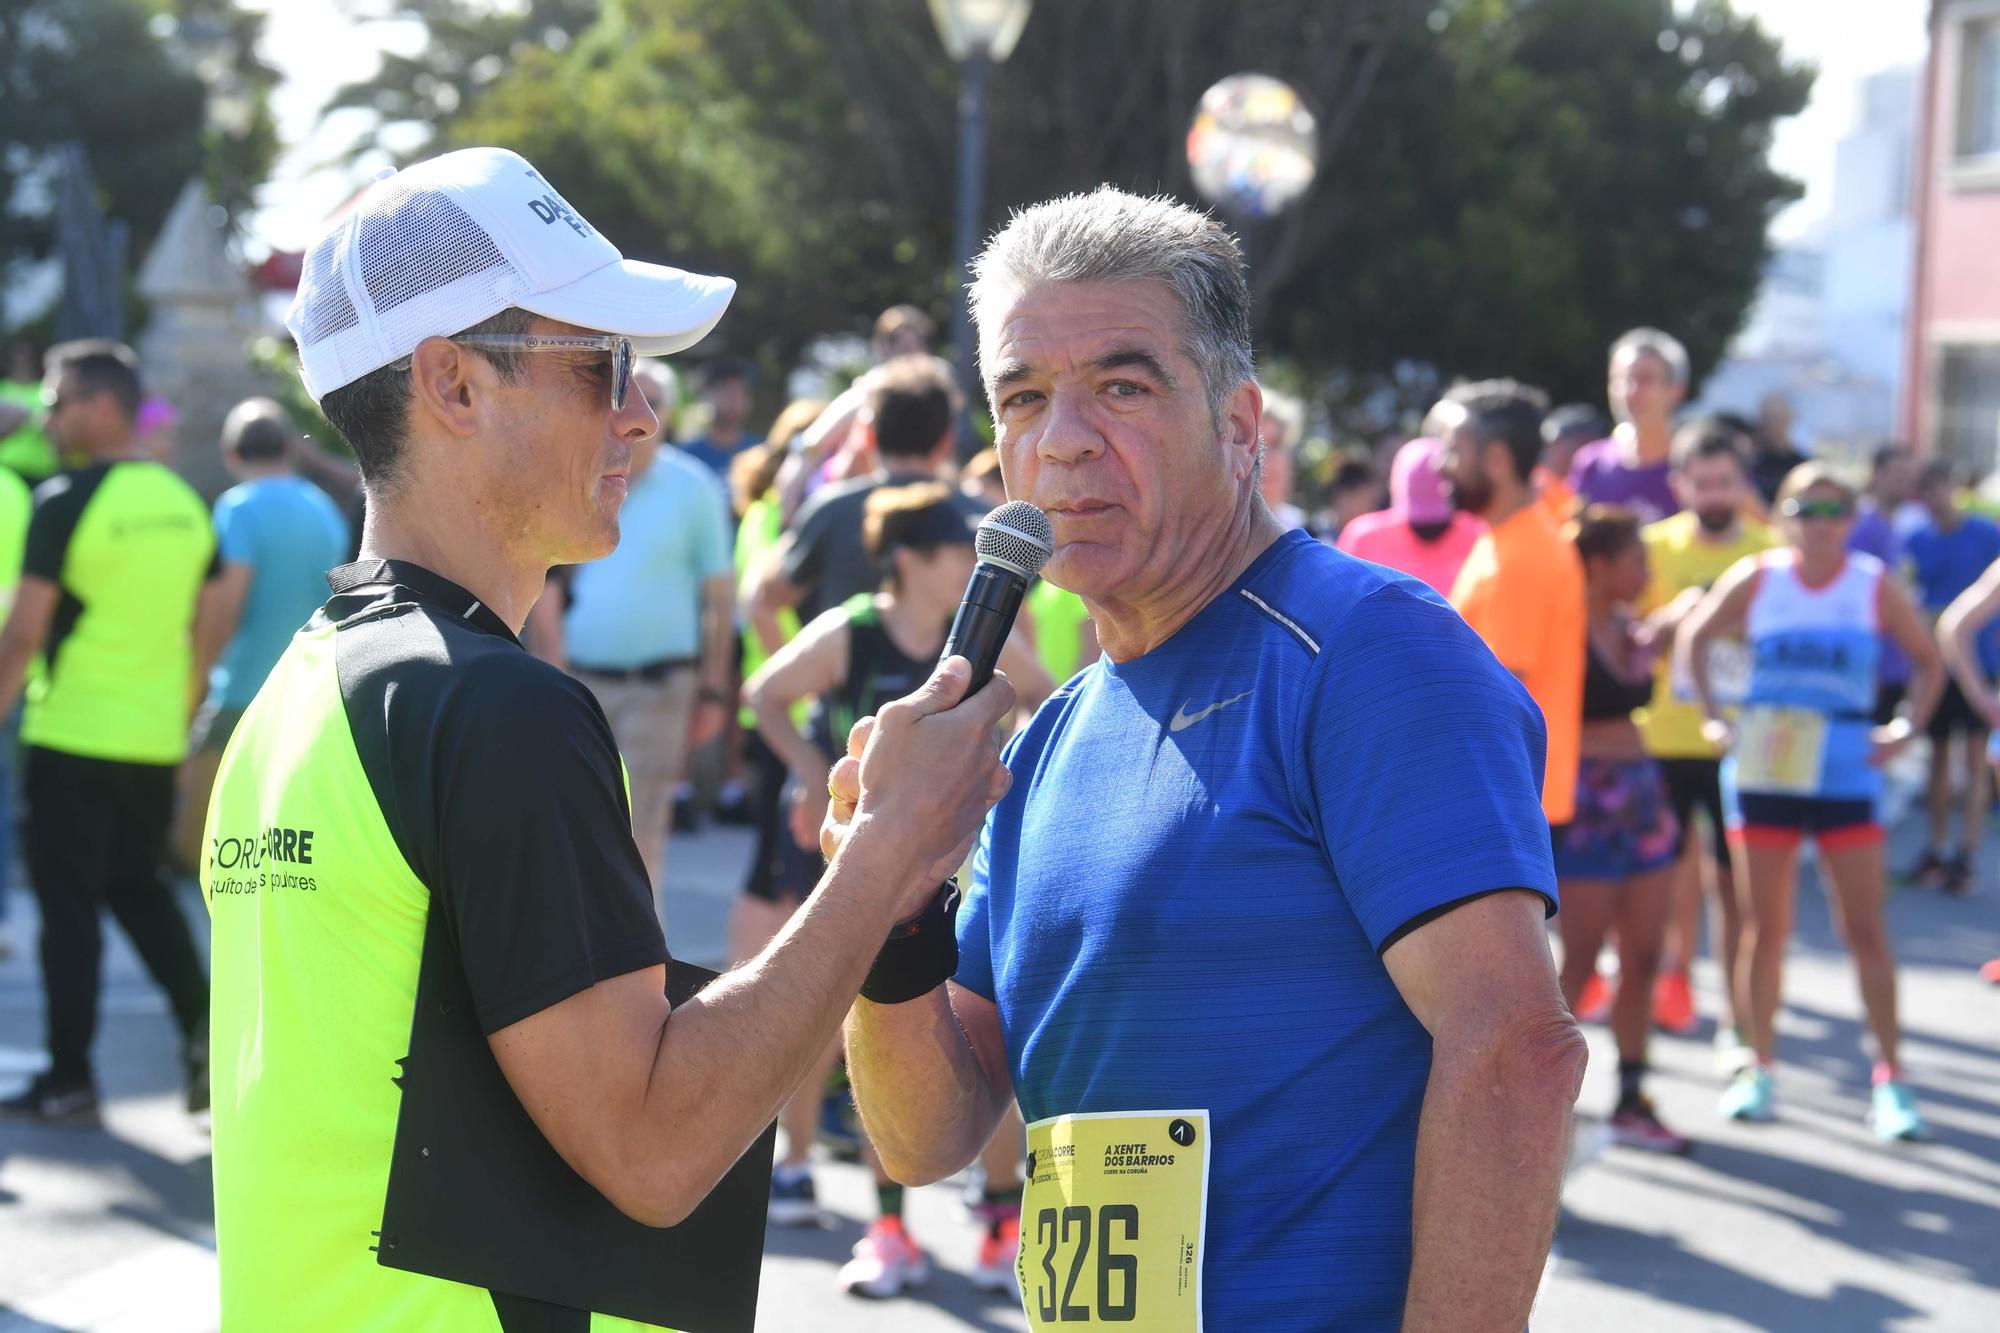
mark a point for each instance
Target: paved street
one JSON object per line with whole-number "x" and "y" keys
{"x": 1808, "y": 1224}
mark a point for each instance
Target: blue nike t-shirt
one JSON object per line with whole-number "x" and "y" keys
{"x": 1183, "y": 900}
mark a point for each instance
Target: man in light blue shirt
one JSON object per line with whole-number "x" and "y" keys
{"x": 276, "y": 537}
{"x": 649, "y": 627}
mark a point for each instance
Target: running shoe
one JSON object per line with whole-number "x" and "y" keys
{"x": 1732, "y": 1054}
{"x": 1991, "y": 971}
{"x": 1594, "y": 1005}
{"x": 1928, "y": 873}
{"x": 1673, "y": 1004}
{"x": 994, "y": 1270}
{"x": 1892, "y": 1113}
{"x": 52, "y": 1101}
{"x": 1958, "y": 876}
{"x": 1751, "y": 1095}
{"x": 885, "y": 1261}
{"x": 1635, "y": 1124}
{"x": 793, "y": 1200}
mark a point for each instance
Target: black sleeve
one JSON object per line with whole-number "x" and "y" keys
{"x": 503, "y": 787}
{"x": 536, "y": 861}
{"x": 59, "y": 503}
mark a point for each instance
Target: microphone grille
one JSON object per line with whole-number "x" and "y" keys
{"x": 1016, "y": 535}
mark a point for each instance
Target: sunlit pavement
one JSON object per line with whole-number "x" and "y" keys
{"x": 1807, "y": 1224}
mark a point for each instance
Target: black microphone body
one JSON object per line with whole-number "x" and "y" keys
{"x": 985, "y": 618}
{"x": 1013, "y": 543}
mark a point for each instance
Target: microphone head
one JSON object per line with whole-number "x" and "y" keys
{"x": 1018, "y": 536}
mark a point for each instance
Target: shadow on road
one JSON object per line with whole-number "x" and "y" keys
{"x": 1655, "y": 1263}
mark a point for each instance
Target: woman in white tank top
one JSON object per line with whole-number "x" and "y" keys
{"x": 1803, "y": 758}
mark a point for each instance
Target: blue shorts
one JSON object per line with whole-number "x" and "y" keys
{"x": 1624, "y": 823}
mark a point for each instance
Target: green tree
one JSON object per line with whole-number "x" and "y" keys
{"x": 1505, "y": 184}
{"x": 89, "y": 72}
{"x": 1529, "y": 179}
{"x": 468, "y": 45}
{"x": 104, "y": 75}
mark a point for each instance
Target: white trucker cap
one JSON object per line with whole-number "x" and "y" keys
{"x": 445, "y": 244}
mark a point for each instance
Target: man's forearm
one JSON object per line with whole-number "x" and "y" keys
{"x": 928, "y": 1103}
{"x": 14, "y": 659}
{"x": 1491, "y": 1148}
{"x": 784, "y": 1005}
{"x": 718, "y": 634}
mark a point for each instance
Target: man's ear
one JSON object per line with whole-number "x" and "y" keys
{"x": 1242, "y": 415}
{"x": 442, "y": 385}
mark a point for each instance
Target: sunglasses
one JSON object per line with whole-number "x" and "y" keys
{"x": 620, "y": 347}
{"x": 1831, "y": 510}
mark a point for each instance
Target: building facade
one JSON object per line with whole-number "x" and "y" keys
{"x": 1951, "y": 398}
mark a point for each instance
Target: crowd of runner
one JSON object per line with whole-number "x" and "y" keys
{"x": 1727, "y": 641}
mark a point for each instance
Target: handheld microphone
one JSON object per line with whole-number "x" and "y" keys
{"x": 1013, "y": 543}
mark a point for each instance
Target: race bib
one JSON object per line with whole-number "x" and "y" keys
{"x": 1112, "y": 1221}
{"x": 1780, "y": 750}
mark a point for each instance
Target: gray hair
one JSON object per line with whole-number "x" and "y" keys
{"x": 1111, "y": 236}
{"x": 1653, "y": 342}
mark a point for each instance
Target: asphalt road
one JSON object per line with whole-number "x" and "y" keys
{"x": 1807, "y": 1224}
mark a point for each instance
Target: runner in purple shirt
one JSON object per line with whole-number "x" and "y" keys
{"x": 1649, "y": 375}
{"x": 1892, "y": 483}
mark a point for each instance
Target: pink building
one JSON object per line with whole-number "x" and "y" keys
{"x": 1951, "y": 391}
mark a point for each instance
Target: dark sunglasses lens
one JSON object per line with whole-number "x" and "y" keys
{"x": 621, "y": 379}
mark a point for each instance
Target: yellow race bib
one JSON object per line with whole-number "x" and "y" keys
{"x": 1112, "y": 1221}
{"x": 1780, "y": 750}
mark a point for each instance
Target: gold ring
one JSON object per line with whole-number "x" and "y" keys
{"x": 831, "y": 794}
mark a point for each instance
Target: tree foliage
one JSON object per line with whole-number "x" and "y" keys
{"x": 103, "y": 74}
{"x": 1527, "y": 180}
{"x": 89, "y": 72}
{"x": 1505, "y": 184}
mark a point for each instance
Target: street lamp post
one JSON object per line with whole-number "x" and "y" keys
{"x": 977, "y": 35}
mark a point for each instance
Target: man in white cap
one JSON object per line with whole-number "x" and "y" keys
{"x": 413, "y": 808}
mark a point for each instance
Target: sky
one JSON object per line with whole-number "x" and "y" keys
{"x": 319, "y": 47}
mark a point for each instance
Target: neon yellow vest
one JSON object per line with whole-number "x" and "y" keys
{"x": 317, "y": 935}
{"x": 118, "y": 685}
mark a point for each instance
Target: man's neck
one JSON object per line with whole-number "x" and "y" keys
{"x": 1708, "y": 536}
{"x": 722, "y": 436}
{"x": 248, "y": 472}
{"x": 123, "y": 450}
{"x": 1507, "y": 501}
{"x": 448, "y": 538}
{"x": 1645, "y": 444}
{"x": 1213, "y": 561}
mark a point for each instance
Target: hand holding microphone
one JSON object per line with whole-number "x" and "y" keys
{"x": 951, "y": 718}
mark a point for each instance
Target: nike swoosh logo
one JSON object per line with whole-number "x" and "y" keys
{"x": 1184, "y": 719}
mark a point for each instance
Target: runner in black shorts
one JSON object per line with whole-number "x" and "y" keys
{"x": 872, "y": 649}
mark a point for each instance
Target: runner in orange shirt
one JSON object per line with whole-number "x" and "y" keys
{"x": 1521, "y": 589}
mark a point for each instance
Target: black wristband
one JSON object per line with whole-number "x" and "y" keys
{"x": 920, "y": 955}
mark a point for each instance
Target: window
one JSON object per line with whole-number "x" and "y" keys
{"x": 1979, "y": 89}
{"x": 1968, "y": 430}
